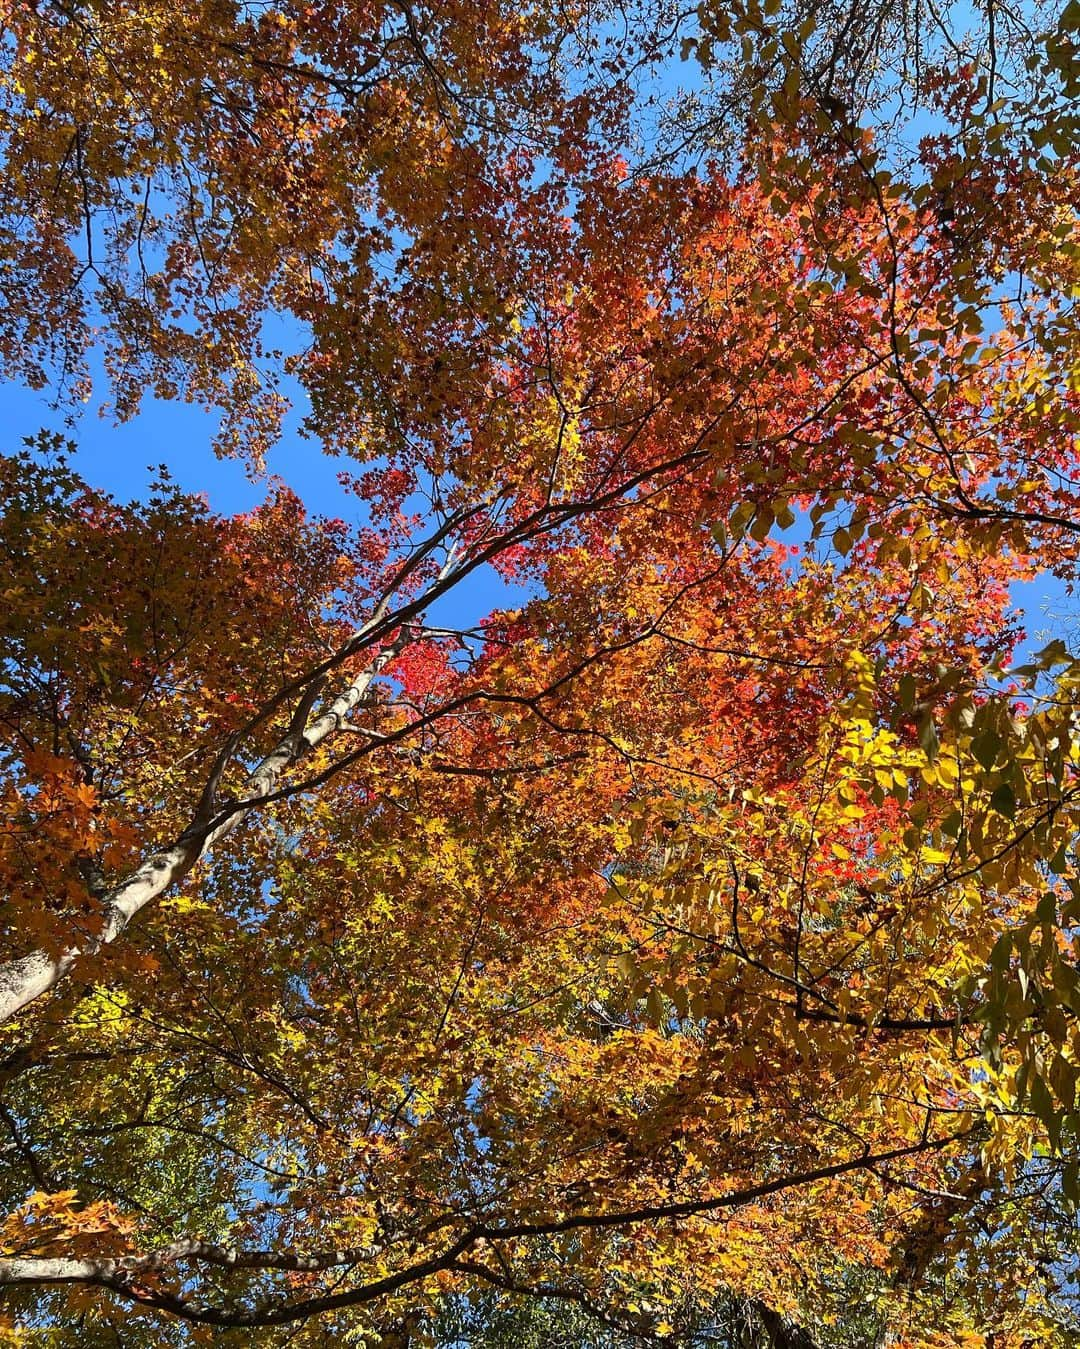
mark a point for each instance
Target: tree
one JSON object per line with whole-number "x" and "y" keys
{"x": 698, "y": 933}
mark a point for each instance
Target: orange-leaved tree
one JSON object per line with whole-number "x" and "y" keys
{"x": 697, "y": 930}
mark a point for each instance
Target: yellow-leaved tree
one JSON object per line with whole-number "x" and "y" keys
{"x": 685, "y": 950}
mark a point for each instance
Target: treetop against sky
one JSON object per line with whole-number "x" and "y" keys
{"x": 578, "y": 859}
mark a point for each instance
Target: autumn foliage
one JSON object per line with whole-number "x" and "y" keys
{"x": 690, "y": 938}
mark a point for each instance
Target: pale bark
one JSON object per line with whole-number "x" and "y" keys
{"x": 62, "y": 1269}
{"x": 121, "y": 1273}
{"x": 28, "y": 977}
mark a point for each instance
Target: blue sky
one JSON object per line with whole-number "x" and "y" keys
{"x": 122, "y": 459}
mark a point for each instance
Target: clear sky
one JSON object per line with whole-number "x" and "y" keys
{"x": 122, "y": 459}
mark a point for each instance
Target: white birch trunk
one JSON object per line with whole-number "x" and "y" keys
{"x": 28, "y": 977}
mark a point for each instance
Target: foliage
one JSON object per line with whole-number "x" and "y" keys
{"x": 694, "y": 940}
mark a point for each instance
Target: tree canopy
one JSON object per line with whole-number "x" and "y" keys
{"x": 686, "y": 950}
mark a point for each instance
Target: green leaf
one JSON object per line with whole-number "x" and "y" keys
{"x": 1003, "y": 801}
{"x": 1046, "y": 1112}
{"x": 1063, "y": 1080}
{"x": 1054, "y": 653}
{"x": 985, "y": 748}
{"x": 1042, "y": 1102}
{"x": 1070, "y": 1184}
{"x": 906, "y": 689}
{"x": 953, "y": 824}
{"x": 1046, "y": 909}
{"x": 762, "y": 523}
{"x": 928, "y": 736}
